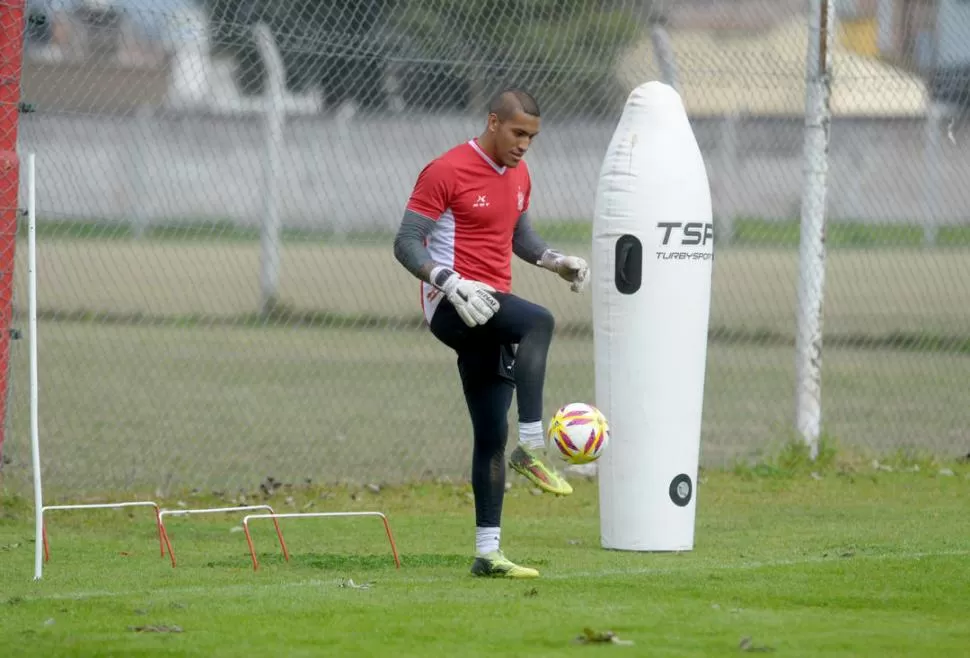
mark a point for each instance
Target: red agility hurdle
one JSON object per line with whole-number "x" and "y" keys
{"x": 305, "y": 515}
{"x": 140, "y": 503}
{"x": 212, "y": 510}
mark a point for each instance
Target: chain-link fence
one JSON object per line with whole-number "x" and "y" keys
{"x": 219, "y": 184}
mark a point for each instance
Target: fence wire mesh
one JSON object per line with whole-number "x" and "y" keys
{"x": 219, "y": 183}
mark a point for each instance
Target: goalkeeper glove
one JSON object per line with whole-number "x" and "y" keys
{"x": 470, "y": 298}
{"x": 571, "y": 268}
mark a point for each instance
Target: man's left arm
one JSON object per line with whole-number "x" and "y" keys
{"x": 528, "y": 245}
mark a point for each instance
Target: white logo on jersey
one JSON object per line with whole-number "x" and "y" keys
{"x": 481, "y": 201}
{"x": 521, "y": 201}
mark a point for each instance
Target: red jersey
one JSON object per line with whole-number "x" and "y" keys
{"x": 476, "y": 204}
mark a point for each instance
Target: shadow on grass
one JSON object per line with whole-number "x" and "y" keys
{"x": 344, "y": 561}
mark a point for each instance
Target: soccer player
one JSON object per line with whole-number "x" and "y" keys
{"x": 466, "y": 216}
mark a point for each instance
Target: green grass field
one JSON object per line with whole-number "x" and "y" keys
{"x": 748, "y": 231}
{"x": 161, "y": 407}
{"x": 877, "y": 293}
{"x": 157, "y": 373}
{"x": 853, "y": 561}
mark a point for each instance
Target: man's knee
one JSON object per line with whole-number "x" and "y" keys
{"x": 541, "y": 320}
{"x": 537, "y": 314}
{"x": 545, "y": 320}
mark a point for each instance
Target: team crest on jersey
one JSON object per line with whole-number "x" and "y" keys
{"x": 521, "y": 199}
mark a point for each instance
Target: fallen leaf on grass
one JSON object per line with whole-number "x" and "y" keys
{"x": 350, "y": 584}
{"x": 532, "y": 592}
{"x": 747, "y": 644}
{"x": 590, "y": 636}
{"x": 155, "y": 629}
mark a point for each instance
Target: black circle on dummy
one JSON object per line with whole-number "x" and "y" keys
{"x": 681, "y": 490}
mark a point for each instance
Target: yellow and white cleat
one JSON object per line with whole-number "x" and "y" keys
{"x": 524, "y": 462}
{"x": 496, "y": 565}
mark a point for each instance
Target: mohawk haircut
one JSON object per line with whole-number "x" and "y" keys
{"x": 510, "y": 100}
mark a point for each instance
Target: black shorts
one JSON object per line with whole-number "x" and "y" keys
{"x": 486, "y": 352}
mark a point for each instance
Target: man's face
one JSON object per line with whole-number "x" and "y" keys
{"x": 513, "y": 136}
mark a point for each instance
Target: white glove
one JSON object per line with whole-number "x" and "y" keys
{"x": 571, "y": 268}
{"x": 470, "y": 298}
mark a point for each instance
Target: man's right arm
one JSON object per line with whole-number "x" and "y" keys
{"x": 429, "y": 199}
{"x": 409, "y": 245}
{"x": 471, "y": 299}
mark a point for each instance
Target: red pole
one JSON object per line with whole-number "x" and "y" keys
{"x": 11, "y": 60}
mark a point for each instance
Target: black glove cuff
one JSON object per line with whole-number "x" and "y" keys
{"x": 439, "y": 278}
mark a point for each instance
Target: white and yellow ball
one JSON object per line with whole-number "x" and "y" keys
{"x": 579, "y": 432}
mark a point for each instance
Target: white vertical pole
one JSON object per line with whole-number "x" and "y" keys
{"x": 811, "y": 266}
{"x": 141, "y": 175}
{"x": 32, "y": 330}
{"x": 885, "y": 10}
{"x": 932, "y": 169}
{"x": 729, "y": 178}
{"x": 274, "y": 119}
{"x": 664, "y": 52}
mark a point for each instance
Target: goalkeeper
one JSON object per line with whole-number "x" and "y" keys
{"x": 466, "y": 216}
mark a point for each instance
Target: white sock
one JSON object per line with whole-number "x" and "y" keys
{"x": 530, "y": 435}
{"x": 486, "y": 540}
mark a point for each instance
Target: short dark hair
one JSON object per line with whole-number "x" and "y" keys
{"x": 509, "y": 100}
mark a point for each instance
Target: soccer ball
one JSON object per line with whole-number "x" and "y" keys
{"x": 579, "y": 432}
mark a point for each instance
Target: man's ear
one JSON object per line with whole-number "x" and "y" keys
{"x": 493, "y": 123}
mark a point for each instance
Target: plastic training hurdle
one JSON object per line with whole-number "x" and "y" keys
{"x": 213, "y": 510}
{"x": 89, "y": 506}
{"x": 309, "y": 515}
{"x": 165, "y": 541}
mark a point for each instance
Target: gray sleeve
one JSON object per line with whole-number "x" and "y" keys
{"x": 526, "y": 243}
{"x": 409, "y": 246}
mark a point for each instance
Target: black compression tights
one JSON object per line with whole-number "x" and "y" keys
{"x": 488, "y": 406}
{"x": 484, "y": 354}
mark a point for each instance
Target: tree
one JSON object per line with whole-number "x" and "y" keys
{"x": 322, "y": 44}
{"x": 564, "y": 50}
